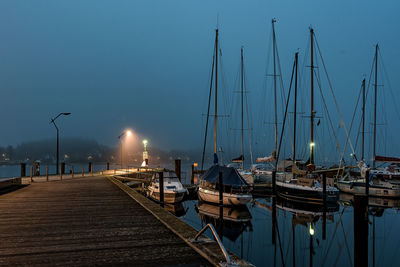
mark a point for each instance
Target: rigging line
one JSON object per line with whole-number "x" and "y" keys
{"x": 333, "y": 94}
{"x": 351, "y": 126}
{"x": 327, "y": 112}
{"x": 208, "y": 111}
{"x": 388, "y": 81}
{"x": 284, "y": 118}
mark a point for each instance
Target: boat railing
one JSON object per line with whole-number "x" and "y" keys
{"x": 221, "y": 246}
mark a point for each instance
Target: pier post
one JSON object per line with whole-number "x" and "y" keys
{"x": 108, "y": 166}
{"x": 72, "y": 170}
{"x": 221, "y": 203}
{"x": 23, "y": 169}
{"x": 90, "y": 167}
{"x": 161, "y": 184}
{"x": 47, "y": 173}
{"x": 178, "y": 169}
{"x": 192, "y": 174}
{"x": 324, "y": 210}
{"x": 274, "y": 182}
{"x": 367, "y": 183}
{"x": 83, "y": 170}
{"x": 63, "y": 167}
{"x": 31, "y": 174}
{"x": 360, "y": 230}
{"x": 61, "y": 174}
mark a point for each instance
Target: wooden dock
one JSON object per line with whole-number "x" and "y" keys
{"x": 91, "y": 221}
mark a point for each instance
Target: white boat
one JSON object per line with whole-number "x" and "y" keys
{"x": 378, "y": 185}
{"x": 173, "y": 189}
{"x": 236, "y": 191}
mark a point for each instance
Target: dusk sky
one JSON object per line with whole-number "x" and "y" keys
{"x": 145, "y": 65}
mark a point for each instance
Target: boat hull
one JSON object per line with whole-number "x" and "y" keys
{"x": 174, "y": 197}
{"x": 303, "y": 194}
{"x": 212, "y": 196}
{"x": 359, "y": 188}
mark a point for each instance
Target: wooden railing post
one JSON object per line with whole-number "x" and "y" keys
{"x": 31, "y": 174}
{"x": 47, "y": 173}
{"x": 72, "y": 169}
{"x": 83, "y": 171}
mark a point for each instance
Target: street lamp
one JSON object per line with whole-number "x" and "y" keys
{"x": 127, "y": 133}
{"x": 145, "y": 154}
{"x": 58, "y": 142}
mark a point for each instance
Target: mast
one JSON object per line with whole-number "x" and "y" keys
{"x": 216, "y": 97}
{"x": 312, "y": 98}
{"x": 242, "y": 85}
{"x": 363, "y": 120}
{"x": 295, "y": 111}
{"x": 275, "y": 97}
{"x": 376, "y": 94}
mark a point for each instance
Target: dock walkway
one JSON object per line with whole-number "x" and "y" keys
{"x": 85, "y": 221}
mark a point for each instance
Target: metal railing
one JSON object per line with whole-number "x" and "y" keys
{"x": 221, "y": 246}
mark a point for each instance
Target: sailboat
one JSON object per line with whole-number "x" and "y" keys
{"x": 238, "y": 162}
{"x": 382, "y": 182}
{"x": 305, "y": 186}
{"x": 236, "y": 191}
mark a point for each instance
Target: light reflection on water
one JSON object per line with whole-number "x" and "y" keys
{"x": 253, "y": 239}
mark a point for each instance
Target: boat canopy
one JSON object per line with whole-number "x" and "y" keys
{"x": 230, "y": 176}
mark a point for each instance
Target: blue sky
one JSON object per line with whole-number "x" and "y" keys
{"x": 146, "y": 64}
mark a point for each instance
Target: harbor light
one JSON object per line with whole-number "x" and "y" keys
{"x": 312, "y": 144}
{"x": 311, "y": 229}
{"x": 145, "y": 142}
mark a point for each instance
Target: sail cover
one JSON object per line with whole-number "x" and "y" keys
{"x": 387, "y": 159}
{"x": 230, "y": 176}
{"x": 238, "y": 159}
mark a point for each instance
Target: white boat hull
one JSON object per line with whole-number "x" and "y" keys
{"x": 212, "y": 196}
{"x": 357, "y": 188}
{"x": 169, "y": 197}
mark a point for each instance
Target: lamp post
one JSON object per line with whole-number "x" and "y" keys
{"x": 58, "y": 138}
{"x": 145, "y": 154}
{"x": 127, "y": 133}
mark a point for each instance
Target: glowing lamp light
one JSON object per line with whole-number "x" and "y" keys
{"x": 128, "y": 133}
{"x": 312, "y": 144}
{"x": 311, "y": 229}
{"x": 195, "y": 164}
{"x": 145, "y": 142}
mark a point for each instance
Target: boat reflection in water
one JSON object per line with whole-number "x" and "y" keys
{"x": 236, "y": 219}
{"x": 176, "y": 209}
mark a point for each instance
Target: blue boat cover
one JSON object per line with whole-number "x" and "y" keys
{"x": 230, "y": 176}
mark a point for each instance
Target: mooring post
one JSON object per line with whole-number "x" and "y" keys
{"x": 47, "y": 173}
{"x": 360, "y": 230}
{"x": 274, "y": 182}
{"x": 83, "y": 170}
{"x": 23, "y": 169}
{"x": 178, "y": 169}
{"x": 161, "y": 184}
{"x": 367, "y": 183}
{"x": 221, "y": 203}
{"x": 108, "y": 166}
{"x": 61, "y": 173}
{"x": 273, "y": 219}
{"x": 72, "y": 170}
{"x": 324, "y": 210}
{"x": 31, "y": 174}
{"x": 192, "y": 174}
